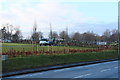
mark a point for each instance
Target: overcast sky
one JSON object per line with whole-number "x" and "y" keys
{"x": 90, "y": 15}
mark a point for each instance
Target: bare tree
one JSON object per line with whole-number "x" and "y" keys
{"x": 53, "y": 35}
{"x": 17, "y": 36}
{"x": 76, "y": 36}
{"x": 40, "y": 34}
{"x": 36, "y": 35}
{"x": 7, "y": 31}
{"x": 64, "y": 35}
{"x": 3, "y": 31}
{"x": 106, "y": 35}
{"x": 88, "y": 37}
{"x": 114, "y": 35}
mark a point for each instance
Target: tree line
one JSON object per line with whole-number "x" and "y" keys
{"x": 10, "y": 32}
{"x": 13, "y": 33}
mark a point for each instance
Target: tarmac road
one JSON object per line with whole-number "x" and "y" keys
{"x": 100, "y": 70}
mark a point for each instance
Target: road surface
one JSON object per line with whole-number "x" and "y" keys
{"x": 100, "y": 70}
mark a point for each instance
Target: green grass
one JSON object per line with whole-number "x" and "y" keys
{"x": 13, "y": 44}
{"x": 31, "y": 47}
{"x": 20, "y": 63}
{"x": 114, "y": 43}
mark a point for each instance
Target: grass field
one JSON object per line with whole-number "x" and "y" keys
{"x": 29, "y": 47}
{"x": 13, "y": 44}
{"x": 19, "y": 63}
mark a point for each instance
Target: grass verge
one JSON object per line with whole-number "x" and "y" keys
{"x": 19, "y": 63}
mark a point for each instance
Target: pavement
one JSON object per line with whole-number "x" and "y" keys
{"x": 74, "y": 71}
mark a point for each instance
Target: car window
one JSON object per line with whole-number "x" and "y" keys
{"x": 43, "y": 40}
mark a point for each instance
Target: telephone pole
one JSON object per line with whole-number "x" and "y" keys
{"x": 67, "y": 29}
{"x": 67, "y": 33}
{"x": 118, "y": 36}
{"x": 50, "y": 31}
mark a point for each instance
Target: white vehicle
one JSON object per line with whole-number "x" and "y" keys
{"x": 44, "y": 42}
{"x": 101, "y": 43}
